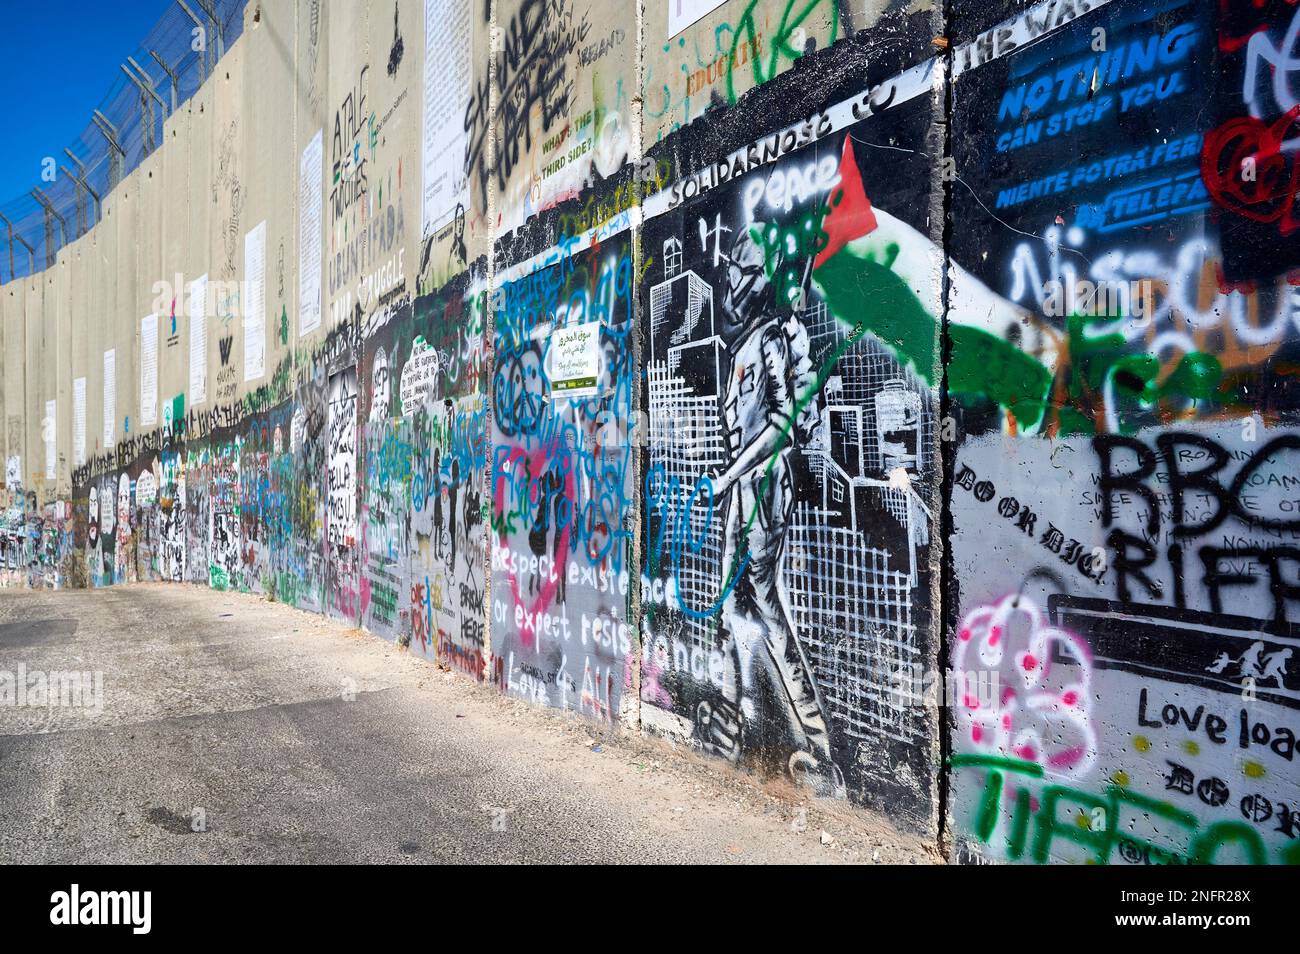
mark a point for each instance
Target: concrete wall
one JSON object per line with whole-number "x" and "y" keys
{"x": 893, "y": 396}
{"x": 1123, "y": 504}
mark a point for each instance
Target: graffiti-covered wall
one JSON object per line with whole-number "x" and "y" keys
{"x": 893, "y": 398}
{"x": 560, "y": 483}
{"x": 790, "y": 342}
{"x": 1122, "y": 506}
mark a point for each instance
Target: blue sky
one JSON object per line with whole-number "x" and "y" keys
{"x": 59, "y": 58}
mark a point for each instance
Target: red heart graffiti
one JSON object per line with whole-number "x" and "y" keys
{"x": 1246, "y": 170}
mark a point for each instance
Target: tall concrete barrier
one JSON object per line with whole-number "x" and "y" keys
{"x": 896, "y": 398}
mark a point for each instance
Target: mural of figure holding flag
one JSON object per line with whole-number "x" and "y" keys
{"x": 789, "y": 429}
{"x": 770, "y": 411}
{"x": 760, "y": 407}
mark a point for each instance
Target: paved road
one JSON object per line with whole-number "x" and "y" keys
{"x": 300, "y": 740}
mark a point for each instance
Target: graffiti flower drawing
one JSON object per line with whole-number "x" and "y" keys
{"x": 1040, "y": 712}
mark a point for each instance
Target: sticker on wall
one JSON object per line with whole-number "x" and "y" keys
{"x": 448, "y": 43}
{"x": 311, "y": 198}
{"x": 79, "y": 422}
{"x": 110, "y": 395}
{"x": 48, "y": 434}
{"x": 148, "y": 370}
{"x": 418, "y": 376}
{"x": 174, "y": 410}
{"x": 255, "y": 303}
{"x": 573, "y": 361}
{"x": 146, "y": 489}
{"x": 199, "y": 340}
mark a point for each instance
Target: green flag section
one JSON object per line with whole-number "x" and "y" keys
{"x": 874, "y": 283}
{"x": 862, "y": 291}
{"x": 983, "y": 365}
{"x": 880, "y": 276}
{"x": 1091, "y": 381}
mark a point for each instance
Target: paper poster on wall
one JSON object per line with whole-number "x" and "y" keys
{"x": 198, "y": 340}
{"x": 78, "y": 422}
{"x": 419, "y": 376}
{"x": 682, "y": 13}
{"x": 48, "y": 434}
{"x": 110, "y": 395}
{"x": 573, "y": 360}
{"x": 173, "y": 410}
{"x": 448, "y": 46}
{"x": 148, "y": 370}
{"x": 341, "y": 505}
{"x": 311, "y": 198}
{"x": 255, "y": 302}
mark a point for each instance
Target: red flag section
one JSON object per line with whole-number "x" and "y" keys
{"x": 850, "y": 216}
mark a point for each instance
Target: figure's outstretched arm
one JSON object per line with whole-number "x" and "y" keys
{"x": 770, "y": 441}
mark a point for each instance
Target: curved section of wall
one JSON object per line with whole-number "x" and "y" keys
{"x": 892, "y": 397}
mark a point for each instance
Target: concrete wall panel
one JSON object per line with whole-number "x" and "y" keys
{"x": 1121, "y": 318}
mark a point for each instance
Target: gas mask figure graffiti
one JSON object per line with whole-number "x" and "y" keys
{"x": 755, "y": 495}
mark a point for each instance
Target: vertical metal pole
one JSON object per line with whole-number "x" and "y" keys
{"x": 9, "y": 227}
{"x": 203, "y": 54}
